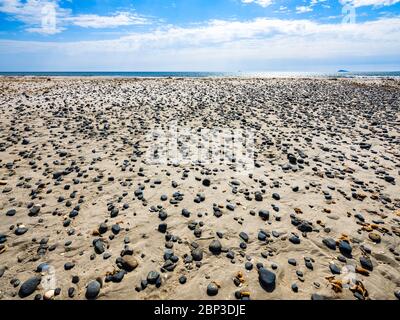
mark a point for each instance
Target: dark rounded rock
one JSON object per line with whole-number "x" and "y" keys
{"x": 276, "y": 196}
{"x": 267, "y": 279}
{"x": 69, "y": 265}
{"x": 263, "y": 214}
{"x": 43, "y": 267}
{"x": 197, "y": 254}
{"x": 20, "y": 231}
{"x": 71, "y": 292}
{"x": 345, "y": 248}
{"x": 366, "y": 263}
{"x": 99, "y": 246}
{"x": 29, "y": 286}
{"x": 262, "y": 236}
{"x": 182, "y": 279}
{"x": 292, "y": 262}
{"x": 212, "y": 289}
{"x": 244, "y": 236}
{"x": 186, "y": 213}
{"x": 103, "y": 228}
{"x": 34, "y": 210}
{"x": 334, "y": 268}
{"x": 215, "y": 247}
{"x": 294, "y": 240}
{"x": 230, "y": 255}
{"x": 3, "y": 238}
{"x": 92, "y": 290}
{"x": 153, "y": 277}
{"x": 248, "y": 266}
{"x": 11, "y": 213}
{"x": 330, "y": 243}
{"x": 304, "y": 226}
{"x": 162, "y": 227}
{"x": 115, "y": 229}
{"x": 258, "y": 196}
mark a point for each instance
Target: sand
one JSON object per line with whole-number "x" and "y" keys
{"x": 330, "y": 149}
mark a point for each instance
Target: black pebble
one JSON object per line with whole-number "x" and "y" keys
{"x": 29, "y": 286}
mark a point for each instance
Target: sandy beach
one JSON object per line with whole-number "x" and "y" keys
{"x": 85, "y": 214}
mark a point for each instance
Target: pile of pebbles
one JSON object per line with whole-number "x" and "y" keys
{"x": 85, "y": 213}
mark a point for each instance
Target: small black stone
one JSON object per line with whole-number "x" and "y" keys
{"x": 330, "y": 243}
{"x": 267, "y": 279}
{"x": 212, "y": 289}
{"x": 345, "y": 248}
{"x": 334, "y": 268}
{"x": 244, "y": 236}
{"x": 162, "y": 227}
{"x": 366, "y": 263}
{"x": 182, "y": 279}
{"x": 292, "y": 262}
{"x": 197, "y": 254}
{"x": 263, "y": 214}
{"x": 152, "y": 277}
{"x": 215, "y": 247}
{"x": 103, "y": 228}
{"x": 29, "y": 286}
{"x": 11, "y": 213}
{"x": 75, "y": 279}
{"x": 262, "y": 236}
{"x": 71, "y": 292}
{"x": 99, "y": 246}
{"x": 276, "y": 196}
{"x": 92, "y": 290}
{"x": 294, "y": 240}
{"x": 248, "y": 266}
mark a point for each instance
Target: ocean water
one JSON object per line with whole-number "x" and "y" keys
{"x": 153, "y": 74}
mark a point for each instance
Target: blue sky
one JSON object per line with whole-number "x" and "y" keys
{"x": 199, "y": 35}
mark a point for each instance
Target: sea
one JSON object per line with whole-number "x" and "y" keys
{"x": 166, "y": 74}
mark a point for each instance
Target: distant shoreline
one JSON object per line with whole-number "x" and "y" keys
{"x": 141, "y": 75}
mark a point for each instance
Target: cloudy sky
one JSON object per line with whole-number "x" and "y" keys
{"x": 199, "y": 35}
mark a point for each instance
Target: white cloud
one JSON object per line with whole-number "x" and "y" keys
{"x": 303, "y": 9}
{"x": 221, "y": 45}
{"x": 116, "y": 20}
{"x": 262, "y": 3}
{"x": 33, "y": 13}
{"x": 365, "y": 3}
{"x": 310, "y": 7}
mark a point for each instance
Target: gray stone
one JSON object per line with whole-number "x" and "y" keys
{"x": 267, "y": 279}
{"x": 93, "y": 290}
{"x": 29, "y": 286}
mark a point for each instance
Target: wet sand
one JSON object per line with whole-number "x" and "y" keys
{"x": 83, "y": 214}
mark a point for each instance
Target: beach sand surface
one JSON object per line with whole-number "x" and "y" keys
{"x": 81, "y": 200}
